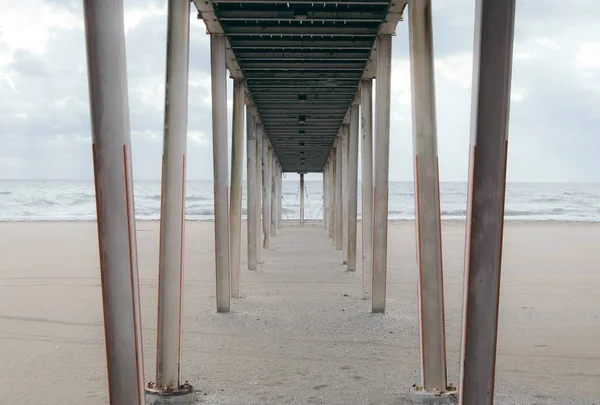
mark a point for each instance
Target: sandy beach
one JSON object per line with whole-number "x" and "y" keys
{"x": 301, "y": 333}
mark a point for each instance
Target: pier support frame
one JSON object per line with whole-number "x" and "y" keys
{"x": 168, "y": 385}
{"x": 324, "y": 203}
{"x": 427, "y": 209}
{"x": 345, "y": 155}
{"x": 259, "y": 185}
{"x": 251, "y": 191}
{"x": 352, "y": 186}
{"x": 266, "y": 191}
{"x": 220, "y": 172}
{"x": 301, "y": 199}
{"x": 111, "y": 153}
{"x": 279, "y": 197}
{"x": 274, "y": 192}
{"x": 381, "y": 172}
{"x": 339, "y": 228}
{"x": 366, "y": 101}
{"x": 331, "y": 200}
{"x": 237, "y": 168}
{"x": 492, "y": 68}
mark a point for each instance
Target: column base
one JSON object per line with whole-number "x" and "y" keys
{"x": 420, "y": 396}
{"x": 184, "y": 395}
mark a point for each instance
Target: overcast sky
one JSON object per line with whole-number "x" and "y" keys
{"x": 44, "y": 109}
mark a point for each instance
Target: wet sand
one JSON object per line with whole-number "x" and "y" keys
{"x": 301, "y": 334}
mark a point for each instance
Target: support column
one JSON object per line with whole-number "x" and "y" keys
{"x": 274, "y": 188}
{"x": 427, "y": 209}
{"x": 220, "y": 172}
{"x": 352, "y": 186}
{"x": 279, "y": 197}
{"x": 366, "y": 101}
{"x": 302, "y": 199}
{"x": 266, "y": 192}
{"x": 172, "y": 217}
{"x": 324, "y": 200}
{"x": 251, "y": 178}
{"x": 259, "y": 185}
{"x": 345, "y": 194}
{"x": 331, "y": 200}
{"x": 381, "y": 172}
{"x": 493, "y": 49}
{"x": 111, "y": 153}
{"x": 339, "y": 227}
{"x": 235, "y": 203}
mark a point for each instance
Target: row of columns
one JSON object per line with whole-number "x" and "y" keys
{"x": 341, "y": 181}
{"x": 264, "y": 190}
{"x": 111, "y": 147}
{"x": 105, "y": 44}
{"x": 487, "y": 175}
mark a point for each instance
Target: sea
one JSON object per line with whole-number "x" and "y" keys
{"x": 66, "y": 200}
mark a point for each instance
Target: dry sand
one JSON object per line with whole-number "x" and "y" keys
{"x": 294, "y": 337}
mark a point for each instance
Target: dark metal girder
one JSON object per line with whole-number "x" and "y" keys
{"x": 312, "y": 137}
{"x": 312, "y": 2}
{"x": 271, "y": 100}
{"x": 306, "y": 57}
{"x": 302, "y": 65}
{"x": 303, "y": 108}
{"x": 319, "y": 14}
{"x": 310, "y": 99}
{"x": 301, "y": 27}
{"x": 300, "y": 84}
{"x": 294, "y": 32}
{"x": 291, "y": 43}
{"x": 278, "y": 127}
{"x": 334, "y": 75}
{"x": 294, "y": 112}
{"x": 293, "y": 152}
{"x": 311, "y": 93}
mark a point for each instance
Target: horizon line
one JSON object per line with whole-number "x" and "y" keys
{"x": 359, "y": 180}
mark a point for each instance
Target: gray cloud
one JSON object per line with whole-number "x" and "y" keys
{"x": 44, "y": 111}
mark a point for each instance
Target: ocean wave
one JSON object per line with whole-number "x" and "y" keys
{"x": 79, "y": 201}
{"x": 200, "y": 211}
{"x": 197, "y": 198}
{"x": 42, "y": 202}
{"x": 156, "y": 197}
{"x": 518, "y": 213}
{"x": 547, "y": 200}
{"x": 454, "y": 213}
{"x": 5, "y": 193}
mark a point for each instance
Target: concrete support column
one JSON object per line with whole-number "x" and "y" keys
{"x": 331, "y": 193}
{"x": 352, "y": 186}
{"x": 344, "y": 194}
{"x": 381, "y": 172}
{"x": 366, "y": 101}
{"x": 111, "y": 152}
{"x": 324, "y": 202}
{"x": 259, "y": 184}
{"x": 251, "y": 195}
{"x": 302, "y": 199}
{"x": 220, "y": 172}
{"x": 237, "y": 168}
{"x": 172, "y": 217}
{"x": 274, "y": 188}
{"x": 266, "y": 192}
{"x": 279, "y": 197}
{"x": 427, "y": 206}
{"x": 339, "y": 226}
{"x": 493, "y": 50}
